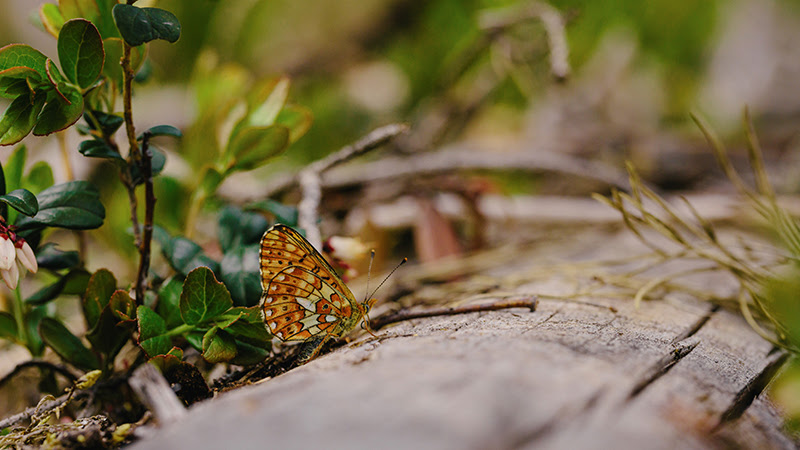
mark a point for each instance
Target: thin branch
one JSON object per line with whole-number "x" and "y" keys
{"x": 62, "y": 370}
{"x": 134, "y": 155}
{"x": 309, "y": 178}
{"x": 149, "y": 208}
{"x": 386, "y": 319}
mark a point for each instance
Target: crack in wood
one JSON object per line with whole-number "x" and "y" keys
{"x": 663, "y": 365}
{"x": 744, "y": 398}
{"x": 565, "y": 416}
{"x": 697, "y": 325}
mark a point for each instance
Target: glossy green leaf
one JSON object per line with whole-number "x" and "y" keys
{"x": 162, "y": 130}
{"x": 80, "y": 51}
{"x": 140, "y": 25}
{"x": 239, "y": 270}
{"x": 87, "y": 9}
{"x": 252, "y": 147}
{"x": 203, "y": 297}
{"x": 22, "y": 200}
{"x": 195, "y": 339}
{"x": 108, "y": 124}
{"x": 184, "y": 256}
{"x": 39, "y": 178}
{"x": 95, "y": 148}
{"x": 66, "y": 345}
{"x": 237, "y": 228}
{"x": 59, "y": 114}
{"x": 8, "y": 326}
{"x": 169, "y": 302}
{"x": 73, "y": 205}
{"x": 49, "y": 257}
{"x": 98, "y": 293}
{"x": 218, "y": 346}
{"x": 19, "y": 118}
{"x": 70, "y": 283}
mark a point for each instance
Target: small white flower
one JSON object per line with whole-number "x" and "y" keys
{"x": 7, "y": 253}
{"x": 10, "y": 276}
{"x": 27, "y": 258}
{"x": 347, "y": 249}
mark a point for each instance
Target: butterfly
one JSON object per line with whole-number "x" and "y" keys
{"x": 303, "y": 298}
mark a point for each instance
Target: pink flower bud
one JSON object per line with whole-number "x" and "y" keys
{"x": 7, "y": 253}
{"x": 11, "y": 276}
{"x": 27, "y": 258}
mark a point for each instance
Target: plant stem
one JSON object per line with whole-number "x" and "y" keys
{"x": 149, "y": 208}
{"x": 195, "y": 204}
{"x": 180, "y": 329}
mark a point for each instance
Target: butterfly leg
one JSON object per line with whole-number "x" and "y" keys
{"x": 311, "y": 348}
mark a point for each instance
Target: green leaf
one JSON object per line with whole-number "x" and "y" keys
{"x": 22, "y": 55}
{"x": 210, "y": 180}
{"x": 169, "y": 301}
{"x": 16, "y": 81}
{"x": 250, "y": 328}
{"x": 51, "y": 18}
{"x": 284, "y": 214}
{"x": 274, "y": 95}
{"x": 40, "y": 177}
{"x": 114, "y": 326}
{"x": 51, "y": 258}
{"x": 247, "y": 354}
{"x": 140, "y": 25}
{"x": 61, "y": 112}
{"x": 67, "y": 345}
{"x": 195, "y": 339}
{"x": 19, "y": 118}
{"x": 218, "y": 346}
{"x": 237, "y": 228}
{"x": 8, "y": 326}
{"x": 80, "y": 50}
{"x": 239, "y": 271}
{"x": 297, "y": 119}
{"x": 73, "y": 205}
{"x": 252, "y": 147}
{"x": 108, "y": 123}
{"x": 185, "y": 256}
{"x": 98, "y": 293}
{"x": 150, "y": 323}
{"x": 94, "y": 148}
{"x": 158, "y": 345}
{"x": 88, "y": 9}
{"x": 203, "y": 297}
{"x": 162, "y": 130}
{"x": 71, "y": 283}
{"x": 14, "y": 168}
{"x": 227, "y": 318}
{"x": 32, "y": 320}
{"x": 22, "y": 200}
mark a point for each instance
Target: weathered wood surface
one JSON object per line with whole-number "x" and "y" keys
{"x": 672, "y": 374}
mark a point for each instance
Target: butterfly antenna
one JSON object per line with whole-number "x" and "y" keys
{"x": 405, "y": 260}
{"x": 369, "y": 271}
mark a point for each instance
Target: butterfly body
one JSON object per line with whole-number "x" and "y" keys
{"x": 303, "y": 298}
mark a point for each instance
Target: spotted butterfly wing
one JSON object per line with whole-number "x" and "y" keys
{"x": 303, "y": 296}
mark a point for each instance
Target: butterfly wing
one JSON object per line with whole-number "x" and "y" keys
{"x": 303, "y": 296}
{"x": 298, "y": 305}
{"x": 282, "y": 247}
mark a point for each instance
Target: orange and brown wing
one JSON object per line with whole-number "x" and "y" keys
{"x": 283, "y": 247}
{"x": 297, "y": 305}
